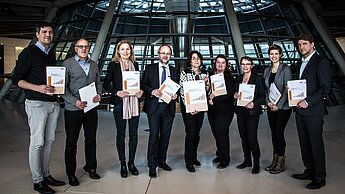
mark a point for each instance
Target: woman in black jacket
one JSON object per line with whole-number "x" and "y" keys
{"x": 221, "y": 111}
{"x": 248, "y": 116}
{"x": 126, "y": 107}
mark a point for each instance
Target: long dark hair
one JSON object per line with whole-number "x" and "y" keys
{"x": 227, "y": 71}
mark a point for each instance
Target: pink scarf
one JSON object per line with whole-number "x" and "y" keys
{"x": 130, "y": 105}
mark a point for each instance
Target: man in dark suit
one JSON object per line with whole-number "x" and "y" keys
{"x": 160, "y": 114}
{"x": 310, "y": 111}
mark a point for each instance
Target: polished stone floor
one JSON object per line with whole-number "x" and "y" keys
{"x": 16, "y": 177}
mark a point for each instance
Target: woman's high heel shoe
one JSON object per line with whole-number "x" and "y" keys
{"x": 124, "y": 172}
{"x": 131, "y": 167}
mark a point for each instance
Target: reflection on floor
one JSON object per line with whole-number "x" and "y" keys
{"x": 16, "y": 177}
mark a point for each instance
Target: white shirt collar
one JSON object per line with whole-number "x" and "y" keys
{"x": 308, "y": 58}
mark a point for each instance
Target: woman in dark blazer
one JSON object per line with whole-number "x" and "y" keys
{"x": 193, "y": 121}
{"x": 221, "y": 111}
{"x": 248, "y": 116}
{"x": 126, "y": 108}
{"x": 278, "y": 113}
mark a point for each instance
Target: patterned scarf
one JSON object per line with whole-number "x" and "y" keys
{"x": 130, "y": 105}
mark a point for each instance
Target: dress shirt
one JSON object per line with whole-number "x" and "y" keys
{"x": 85, "y": 65}
{"x": 167, "y": 71}
{"x": 42, "y": 48}
{"x": 304, "y": 63}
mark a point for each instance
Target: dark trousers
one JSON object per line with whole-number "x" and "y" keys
{"x": 121, "y": 133}
{"x": 73, "y": 122}
{"x": 248, "y": 129}
{"x": 310, "y": 131}
{"x": 220, "y": 124}
{"x": 278, "y": 121}
{"x": 160, "y": 123}
{"x": 193, "y": 124}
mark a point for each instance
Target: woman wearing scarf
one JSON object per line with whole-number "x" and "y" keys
{"x": 126, "y": 107}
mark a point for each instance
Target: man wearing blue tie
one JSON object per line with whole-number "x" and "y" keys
{"x": 160, "y": 114}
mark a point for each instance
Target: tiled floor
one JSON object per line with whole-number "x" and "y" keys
{"x": 16, "y": 177}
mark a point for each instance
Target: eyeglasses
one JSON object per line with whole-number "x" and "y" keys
{"x": 83, "y": 46}
{"x": 196, "y": 58}
{"x": 248, "y": 64}
{"x": 162, "y": 53}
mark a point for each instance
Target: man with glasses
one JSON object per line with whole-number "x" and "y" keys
{"x": 160, "y": 114}
{"x": 80, "y": 72}
{"x": 42, "y": 108}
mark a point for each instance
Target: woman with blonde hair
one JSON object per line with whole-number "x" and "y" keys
{"x": 126, "y": 107}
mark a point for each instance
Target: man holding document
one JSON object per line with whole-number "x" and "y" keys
{"x": 41, "y": 106}
{"x": 310, "y": 111}
{"x": 82, "y": 81}
{"x": 160, "y": 114}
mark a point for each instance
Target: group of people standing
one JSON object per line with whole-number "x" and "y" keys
{"x": 43, "y": 109}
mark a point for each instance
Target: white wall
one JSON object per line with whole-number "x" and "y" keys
{"x": 12, "y": 48}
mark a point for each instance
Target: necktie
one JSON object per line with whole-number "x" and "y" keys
{"x": 163, "y": 74}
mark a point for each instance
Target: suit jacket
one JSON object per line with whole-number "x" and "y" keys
{"x": 76, "y": 79}
{"x": 318, "y": 75}
{"x": 282, "y": 76}
{"x": 224, "y": 104}
{"x": 150, "y": 81}
{"x": 113, "y": 80}
{"x": 259, "y": 93}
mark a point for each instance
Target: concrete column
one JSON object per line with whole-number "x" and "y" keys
{"x": 326, "y": 35}
{"x": 235, "y": 29}
{"x": 104, "y": 30}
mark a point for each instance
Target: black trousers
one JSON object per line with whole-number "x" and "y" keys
{"x": 248, "y": 129}
{"x": 220, "y": 124}
{"x": 160, "y": 123}
{"x": 310, "y": 131}
{"x": 73, "y": 122}
{"x": 121, "y": 133}
{"x": 278, "y": 121}
{"x": 193, "y": 124}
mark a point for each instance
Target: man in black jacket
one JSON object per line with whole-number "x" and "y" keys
{"x": 310, "y": 111}
{"x": 41, "y": 107}
{"x": 160, "y": 114}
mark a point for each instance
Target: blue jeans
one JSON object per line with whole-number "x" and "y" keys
{"x": 42, "y": 119}
{"x": 121, "y": 133}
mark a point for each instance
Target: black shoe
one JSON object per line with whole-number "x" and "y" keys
{"x": 190, "y": 168}
{"x": 133, "y": 169}
{"x": 53, "y": 182}
{"x": 123, "y": 171}
{"x": 197, "y": 163}
{"x": 316, "y": 184}
{"x": 304, "y": 176}
{"x": 43, "y": 188}
{"x": 244, "y": 165}
{"x": 164, "y": 166}
{"x": 152, "y": 173}
{"x": 222, "y": 165}
{"x": 92, "y": 173}
{"x": 216, "y": 160}
{"x": 73, "y": 180}
{"x": 256, "y": 169}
